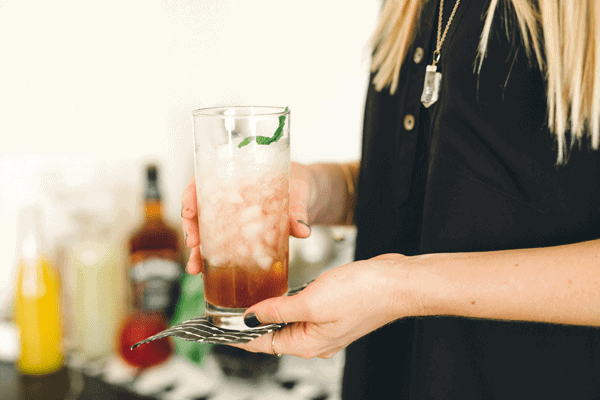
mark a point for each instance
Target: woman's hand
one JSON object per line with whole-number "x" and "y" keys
{"x": 300, "y": 187}
{"x": 340, "y": 306}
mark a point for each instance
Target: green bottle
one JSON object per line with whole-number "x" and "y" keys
{"x": 190, "y": 305}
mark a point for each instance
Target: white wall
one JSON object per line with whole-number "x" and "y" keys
{"x": 90, "y": 91}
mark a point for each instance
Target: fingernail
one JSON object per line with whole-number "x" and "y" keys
{"x": 185, "y": 235}
{"x": 181, "y": 210}
{"x": 251, "y": 320}
{"x": 304, "y": 223}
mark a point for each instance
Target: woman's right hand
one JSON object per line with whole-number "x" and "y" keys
{"x": 300, "y": 187}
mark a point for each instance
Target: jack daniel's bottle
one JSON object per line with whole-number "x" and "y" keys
{"x": 155, "y": 267}
{"x": 154, "y": 255}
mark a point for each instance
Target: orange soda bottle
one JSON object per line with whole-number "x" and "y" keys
{"x": 37, "y": 302}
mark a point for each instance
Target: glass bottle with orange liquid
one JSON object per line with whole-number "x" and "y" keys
{"x": 37, "y": 301}
{"x": 155, "y": 267}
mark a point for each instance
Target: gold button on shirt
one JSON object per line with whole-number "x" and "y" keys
{"x": 409, "y": 122}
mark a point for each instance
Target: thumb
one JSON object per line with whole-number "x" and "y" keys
{"x": 300, "y": 190}
{"x": 277, "y": 310}
{"x": 298, "y": 222}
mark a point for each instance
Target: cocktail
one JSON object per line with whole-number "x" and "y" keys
{"x": 242, "y": 162}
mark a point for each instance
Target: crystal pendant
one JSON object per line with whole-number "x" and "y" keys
{"x": 431, "y": 87}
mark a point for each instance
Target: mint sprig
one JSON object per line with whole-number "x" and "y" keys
{"x": 265, "y": 139}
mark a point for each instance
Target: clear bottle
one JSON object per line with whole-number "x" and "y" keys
{"x": 97, "y": 290}
{"x": 37, "y": 300}
{"x": 155, "y": 267}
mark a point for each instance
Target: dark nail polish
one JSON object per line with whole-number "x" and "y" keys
{"x": 251, "y": 320}
{"x": 304, "y": 223}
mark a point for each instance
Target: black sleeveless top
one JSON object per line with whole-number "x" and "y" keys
{"x": 474, "y": 172}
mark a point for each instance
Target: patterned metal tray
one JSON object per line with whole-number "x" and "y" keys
{"x": 198, "y": 329}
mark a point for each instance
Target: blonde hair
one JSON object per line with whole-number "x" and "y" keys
{"x": 561, "y": 36}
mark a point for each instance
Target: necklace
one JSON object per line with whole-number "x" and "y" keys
{"x": 431, "y": 86}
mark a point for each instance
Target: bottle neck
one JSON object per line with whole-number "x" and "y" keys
{"x": 152, "y": 199}
{"x": 153, "y": 210}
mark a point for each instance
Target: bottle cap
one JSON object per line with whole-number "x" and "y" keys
{"x": 31, "y": 233}
{"x": 152, "y": 172}
{"x": 152, "y": 191}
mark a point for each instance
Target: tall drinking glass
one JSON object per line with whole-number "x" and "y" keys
{"x": 242, "y": 163}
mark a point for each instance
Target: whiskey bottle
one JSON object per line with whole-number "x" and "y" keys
{"x": 154, "y": 270}
{"x": 155, "y": 257}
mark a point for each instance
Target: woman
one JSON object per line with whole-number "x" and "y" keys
{"x": 477, "y": 209}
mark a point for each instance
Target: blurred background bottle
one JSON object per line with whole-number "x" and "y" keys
{"x": 37, "y": 300}
{"x": 96, "y": 277}
{"x": 154, "y": 271}
{"x": 190, "y": 305}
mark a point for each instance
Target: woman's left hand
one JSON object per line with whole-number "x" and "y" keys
{"x": 340, "y": 306}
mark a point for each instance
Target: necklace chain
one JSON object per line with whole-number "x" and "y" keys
{"x": 433, "y": 78}
{"x": 442, "y": 36}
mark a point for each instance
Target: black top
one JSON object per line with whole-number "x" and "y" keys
{"x": 475, "y": 172}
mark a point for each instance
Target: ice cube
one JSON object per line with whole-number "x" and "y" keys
{"x": 283, "y": 225}
{"x": 217, "y": 261}
{"x": 208, "y": 215}
{"x": 243, "y": 251}
{"x": 261, "y": 258}
{"x": 253, "y": 230}
{"x": 252, "y": 213}
{"x": 234, "y": 197}
{"x": 262, "y": 155}
{"x": 271, "y": 237}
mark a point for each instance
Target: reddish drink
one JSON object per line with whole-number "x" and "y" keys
{"x": 241, "y": 287}
{"x": 246, "y": 246}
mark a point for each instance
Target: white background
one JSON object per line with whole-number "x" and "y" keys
{"x": 91, "y": 91}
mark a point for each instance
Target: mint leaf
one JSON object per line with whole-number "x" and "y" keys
{"x": 265, "y": 140}
{"x": 246, "y": 141}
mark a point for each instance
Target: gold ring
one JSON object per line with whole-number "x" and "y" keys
{"x": 273, "y": 346}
